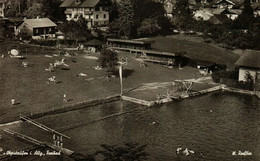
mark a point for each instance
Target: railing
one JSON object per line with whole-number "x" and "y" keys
{"x": 88, "y": 12}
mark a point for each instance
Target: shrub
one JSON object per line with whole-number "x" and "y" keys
{"x": 24, "y": 36}
{"x": 108, "y": 59}
{"x": 44, "y": 42}
{"x": 217, "y": 76}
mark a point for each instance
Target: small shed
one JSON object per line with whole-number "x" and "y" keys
{"x": 94, "y": 45}
{"x": 209, "y": 67}
{"x": 249, "y": 63}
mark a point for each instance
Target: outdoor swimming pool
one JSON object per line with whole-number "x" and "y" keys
{"x": 215, "y": 125}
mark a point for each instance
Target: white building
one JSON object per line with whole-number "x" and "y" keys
{"x": 96, "y": 12}
{"x": 249, "y": 62}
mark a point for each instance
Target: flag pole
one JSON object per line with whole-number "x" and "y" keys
{"x": 121, "y": 78}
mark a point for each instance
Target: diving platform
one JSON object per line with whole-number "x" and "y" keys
{"x": 138, "y": 101}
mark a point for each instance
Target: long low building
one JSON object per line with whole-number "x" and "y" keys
{"x": 131, "y": 44}
{"x": 142, "y": 49}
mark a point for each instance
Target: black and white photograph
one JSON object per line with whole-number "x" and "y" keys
{"x": 129, "y": 80}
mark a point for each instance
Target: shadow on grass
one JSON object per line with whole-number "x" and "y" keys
{"x": 58, "y": 82}
{"x": 22, "y": 58}
{"x": 69, "y": 100}
{"x": 126, "y": 73}
{"x": 65, "y": 68}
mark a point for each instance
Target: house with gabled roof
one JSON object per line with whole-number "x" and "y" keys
{"x": 249, "y": 63}
{"x": 37, "y": 28}
{"x": 96, "y": 12}
{"x": 222, "y": 4}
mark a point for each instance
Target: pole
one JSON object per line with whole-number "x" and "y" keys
{"x": 121, "y": 78}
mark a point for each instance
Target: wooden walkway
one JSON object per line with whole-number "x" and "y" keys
{"x": 138, "y": 101}
{"x": 37, "y": 124}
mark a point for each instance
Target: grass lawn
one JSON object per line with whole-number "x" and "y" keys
{"x": 28, "y": 85}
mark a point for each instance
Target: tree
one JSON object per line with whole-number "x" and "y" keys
{"x": 136, "y": 16}
{"x": 246, "y": 19}
{"x": 182, "y": 16}
{"x": 35, "y": 10}
{"x": 249, "y": 83}
{"x": 148, "y": 27}
{"x": 45, "y": 8}
{"x": 108, "y": 59}
{"x": 126, "y": 15}
{"x": 16, "y": 8}
{"x": 113, "y": 11}
{"x": 129, "y": 152}
{"x": 152, "y": 16}
{"x": 6, "y": 29}
{"x": 75, "y": 30}
{"x": 52, "y": 10}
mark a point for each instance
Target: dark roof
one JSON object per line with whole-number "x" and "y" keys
{"x": 256, "y": 6}
{"x": 131, "y": 41}
{"x": 192, "y": 2}
{"x": 214, "y": 2}
{"x": 84, "y": 3}
{"x": 94, "y": 42}
{"x": 219, "y": 19}
{"x": 249, "y": 59}
{"x": 40, "y": 22}
{"x": 197, "y": 6}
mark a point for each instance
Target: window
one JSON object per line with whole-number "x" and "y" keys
{"x": 105, "y": 16}
{"x": 36, "y": 31}
{"x": 96, "y": 16}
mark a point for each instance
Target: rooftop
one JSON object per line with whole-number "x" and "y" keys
{"x": 83, "y": 3}
{"x": 249, "y": 59}
{"x": 94, "y": 42}
{"x": 220, "y": 1}
{"x": 219, "y": 19}
{"x": 131, "y": 41}
{"x": 40, "y": 22}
